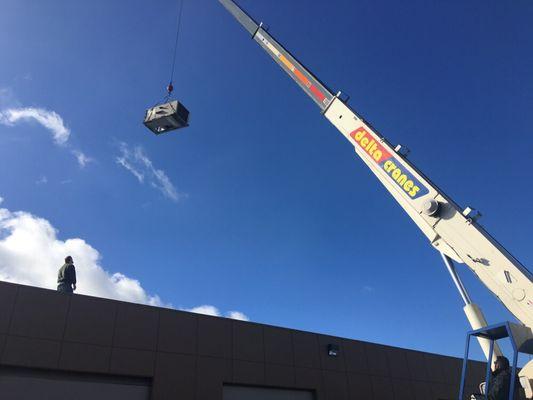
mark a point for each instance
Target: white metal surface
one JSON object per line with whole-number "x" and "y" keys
{"x": 451, "y": 232}
{"x": 477, "y": 321}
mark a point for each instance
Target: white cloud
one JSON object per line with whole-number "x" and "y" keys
{"x": 125, "y": 163}
{"x": 49, "y": 119}
{"x": 367, "y": 289}
{"x": 31, "y": 253}
{"x": 13, "y": 113}
{"x": 137, "y": 162}
{"x": 82, "y": 159}
{"x": 207, "y": 309}
{"x": 237, "y": 315}
{"x": 42, "y": 180}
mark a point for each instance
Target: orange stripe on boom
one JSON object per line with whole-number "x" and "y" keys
{"x": 287, "y": 63}
{"x": 301, "y": 77}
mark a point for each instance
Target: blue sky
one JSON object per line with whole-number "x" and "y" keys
{"x": 272, "y": 214}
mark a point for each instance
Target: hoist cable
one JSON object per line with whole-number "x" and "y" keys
{"x": 176, "y": 43}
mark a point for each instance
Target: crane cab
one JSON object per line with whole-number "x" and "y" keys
{"x": 166, "y": 117}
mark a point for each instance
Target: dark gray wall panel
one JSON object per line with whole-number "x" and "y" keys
{"x": 174, "y": 376}
{"x": 8, "y": 292}
{"x": 248, "y": 342}
{"x": 279, "y": 375}
{"x": 2, "y": 345}
{"x": 258, "y": 393}
{"x": 178, "y": 332}
{"x": 417, "y": 365}
{"x": 336, "y": 385}
{"x": 278, "y": 346}
{"x": 382, "y": 388}
{"x": 85, "y": 358}
{"x": 452, "y": 368}
{"x": 355, "y": 356}
{"x": 132, "y": 362}
{"x": 359, "y": 387}
{"x": 91, "y": 320}
{"x": 434, "y": 368}
{"x": 308, "y": 378}
{"x": 422, "y": 390}
{"x": 402, "y": 389}
{"x": 39, "y": 313}
{"x": 136, "y": 327}
{"x": 215, "y": 337}
{"x": 306, "y": 349}
{"x": 248, "y": 372}
{"x": 34, "y": 384}
{"x": 28, "y": 352}
{"x": 210, "y": 374}
{"x": 397, "y": 363}
{"x": 378, "y": 363}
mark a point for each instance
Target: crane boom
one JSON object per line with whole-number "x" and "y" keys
{"x": 450, "y": 229}
{"x": 315, "y": 89}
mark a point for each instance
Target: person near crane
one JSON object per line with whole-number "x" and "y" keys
{"x": 66, "y": 277}
{"x": 500, "y": 382}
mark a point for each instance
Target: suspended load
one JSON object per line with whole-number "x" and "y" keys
{"x": 166, "y": 117}
{"x": 170, "y": 114}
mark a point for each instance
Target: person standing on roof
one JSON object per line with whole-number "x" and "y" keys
{"x": 66, "y": 277}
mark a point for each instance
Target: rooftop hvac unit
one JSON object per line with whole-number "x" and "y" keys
{"x": 166, "y": 117}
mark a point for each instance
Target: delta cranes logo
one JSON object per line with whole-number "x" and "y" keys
{"x": 370, "y": 146}
{"x": 381, "y": 156}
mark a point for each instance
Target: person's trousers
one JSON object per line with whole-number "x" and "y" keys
{"x": 65, "y": 288}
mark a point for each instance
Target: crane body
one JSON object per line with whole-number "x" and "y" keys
{"x": 451, "y": 230}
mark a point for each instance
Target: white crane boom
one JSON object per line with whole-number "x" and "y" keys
{"x": 451, "y": 230}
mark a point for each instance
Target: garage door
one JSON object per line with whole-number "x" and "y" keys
{"x": 258, "y": 393}
{"x": 28, "y": 384}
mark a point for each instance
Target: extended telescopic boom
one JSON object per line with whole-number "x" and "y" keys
{"x": 453, "y": 231}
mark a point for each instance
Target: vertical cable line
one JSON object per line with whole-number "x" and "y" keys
{"x": 176, "y": 42}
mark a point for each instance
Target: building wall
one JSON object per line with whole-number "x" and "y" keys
{"x": 190, "y": 356}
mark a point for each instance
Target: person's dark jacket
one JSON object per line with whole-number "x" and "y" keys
{"x": 67, "y": 275}
{"x": 500, "y": 385}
